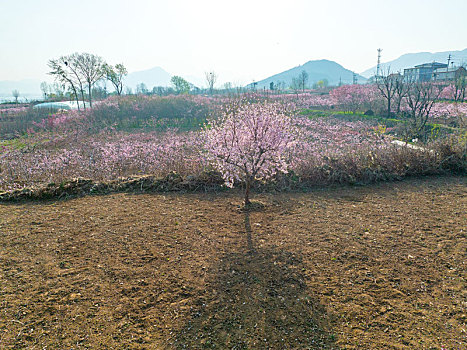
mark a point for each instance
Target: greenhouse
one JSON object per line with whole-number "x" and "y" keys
{"x": 67, "y": 105}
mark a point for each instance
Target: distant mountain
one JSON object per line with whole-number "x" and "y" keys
{"x": 317, "y": 70}
{"x": 150, "y": 77}
{"x": 28, "y": 89}
{"x": 412, "y": 59}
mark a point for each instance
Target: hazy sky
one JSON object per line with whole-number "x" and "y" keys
{"x": 241, "y": 40}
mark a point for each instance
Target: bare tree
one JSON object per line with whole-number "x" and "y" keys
{"x": 295, "y": 85}
{"x": 115, "y": 75}
{"x": 280, "y": 85}
{"x": 387, "y": 85}
{"x": 15, "y": 94}
{"x": 141, "y": 89}
{"x": 228, "y": 86}
{"x": 211, "y": 78}
{"x": 64, "y": 72}
{"x": 159, "y": 90}
{"x": 419, "y": 100}
{"x": 91, "y": 68}
{"x": 45, "y": 88}
{"x": 71, "y": 63}
{"x": 79, "y": 71}
{"x": 401, "y": 91}
{"x": 238, "y": 87}
{"x": 302, "y": 79}
{"x": 58, "y": 89}
{"x": 459, "y": 88}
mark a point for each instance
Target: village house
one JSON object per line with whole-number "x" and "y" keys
{"x": 423, "y": 72}
{"x": 449, "y": 74}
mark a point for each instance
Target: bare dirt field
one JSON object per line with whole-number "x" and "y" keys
{"x": 375, "y": 267}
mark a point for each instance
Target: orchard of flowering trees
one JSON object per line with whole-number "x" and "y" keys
{"x": 456, "y": 91}
{"x": 317, "y": 136}
{"x": 412, "y": 102}
{"x": 354, "y": 97}
{"x": 247, "y": 142}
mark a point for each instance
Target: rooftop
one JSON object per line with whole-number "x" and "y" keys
{"x": 447, "y": 70}
{"x": 432, "y": 64}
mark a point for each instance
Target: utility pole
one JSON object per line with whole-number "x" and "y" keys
{"x": 379, "y": 62}
{"x": 354, "y": 79}
{"x": 449, "y": 60}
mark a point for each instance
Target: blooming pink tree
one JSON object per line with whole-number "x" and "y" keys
{"x": 456, "y": 91}
{"x": 450, "y": 113}
{"x": 353, "y": 97}
{"x": 250, "y": 142}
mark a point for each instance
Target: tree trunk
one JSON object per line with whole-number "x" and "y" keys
{"x": 90, "y": 97}
{"x": 76, "y": 97}
{"x": 76, "y": 94}
{"x": 82, "y": 97}
{"x": 247, "y": 192}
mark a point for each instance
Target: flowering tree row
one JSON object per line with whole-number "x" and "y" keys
{"x": 456, "y": 91}
{"x": 450, "y": 113}
{"x": 139, "y": 111}
{"x": 105, "y": 157}
{"x": 121, "y": 112}
{"x": 8, "y": 110}
{"x": 251, "y": 140}
{"x": 110, "y": 155}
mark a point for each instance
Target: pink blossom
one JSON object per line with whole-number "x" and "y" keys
{"x": 250, "y": 141}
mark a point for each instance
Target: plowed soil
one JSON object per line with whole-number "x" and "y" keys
{"x": 375, "y": 267}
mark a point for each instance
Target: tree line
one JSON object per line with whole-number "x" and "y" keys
{"x": 79, "y": 72}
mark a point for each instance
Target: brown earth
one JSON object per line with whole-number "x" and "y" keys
{"x": 376, "y": 267}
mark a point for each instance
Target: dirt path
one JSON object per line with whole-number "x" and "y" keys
{"x": 377, "y": 267}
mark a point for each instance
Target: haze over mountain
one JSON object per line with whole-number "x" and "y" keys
{"x": 158, "y": 76}
{"x": 317, "y": 70}
{"x": 412, "y": 59}
{"x": 155, "y": 76}
{"x": 28, "y": 88}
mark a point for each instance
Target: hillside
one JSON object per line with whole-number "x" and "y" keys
{"x": 317, "y": 70}
{"x": 412, "y": 59}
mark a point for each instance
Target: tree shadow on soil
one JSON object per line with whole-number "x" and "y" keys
{"x": 257, "y": 299}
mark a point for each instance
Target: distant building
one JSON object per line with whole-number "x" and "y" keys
{"x": 393, "y": 76}
{"x": 447, "y": 74}
{"x": 423, "y": 72}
